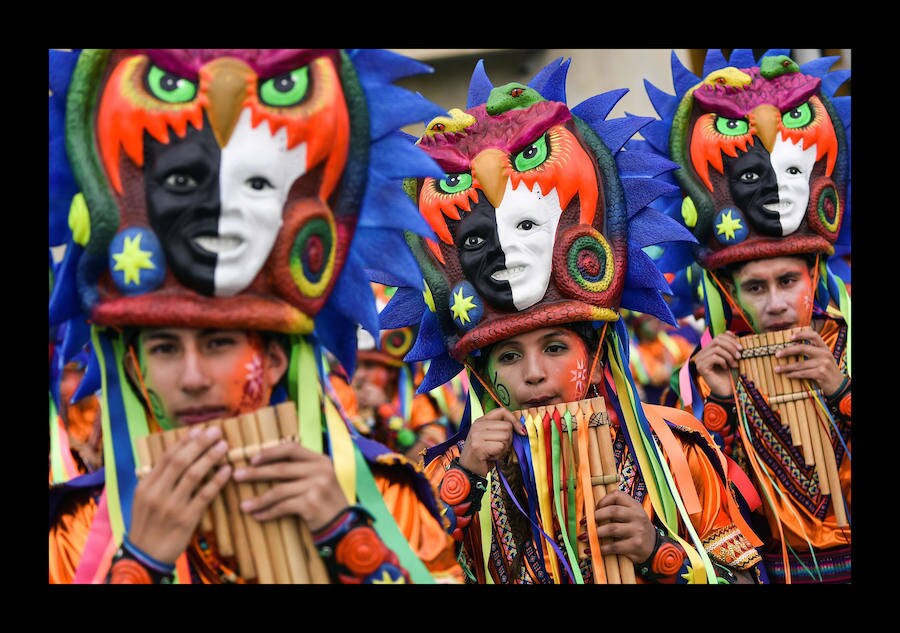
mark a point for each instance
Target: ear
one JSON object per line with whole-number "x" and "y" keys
{"x": 276, "y": 362}
{"x": 132, "y": 371}
{"x": 597, "y": 374}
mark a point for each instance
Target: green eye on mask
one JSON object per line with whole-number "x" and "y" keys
{"x": 170, "y": 88}
{"x": 532, "y": 156}
{"x": 798, "y": 117}
{"x": 731, "y": 127}
{"x": 285, "y": 90}
{"x": 454, "y": 183}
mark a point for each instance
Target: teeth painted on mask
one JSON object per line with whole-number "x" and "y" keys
{"x": 218, "y": 244}
{"x": 778, "y": 207}
{"x": 506, "y": 273}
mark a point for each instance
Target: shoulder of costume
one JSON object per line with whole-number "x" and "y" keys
{"x": 397, "y": 467}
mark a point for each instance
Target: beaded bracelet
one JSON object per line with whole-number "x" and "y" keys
{"x": 354, "y": 553}
{"x": 665, "y": 561}
{"x": 461, "y": 490}
{"x": 133, "y": 566}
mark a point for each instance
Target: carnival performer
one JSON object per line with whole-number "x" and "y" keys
{"x": 384, "y": 404}
{"x": 540, "y": 222}
{"x": 219, "y": 192}
{"x": 763, "y": 149}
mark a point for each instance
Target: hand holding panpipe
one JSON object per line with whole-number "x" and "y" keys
{"x": 280, "y": 551}
{"x": 592, "y": 447}
{"x": 793, "y": 399}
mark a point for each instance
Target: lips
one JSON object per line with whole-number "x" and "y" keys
{"x": 201, "y": 414}
{"x": 778, "y": 207}
{"x": 540, "y": 401}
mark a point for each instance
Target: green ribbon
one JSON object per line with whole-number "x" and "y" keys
{"x": 57, "y": 469}
{"x": 715, "y": 313}
{"x": 385, "y": 525}
{"x": 557, "y": 488}
{"x": 306, "y": 392}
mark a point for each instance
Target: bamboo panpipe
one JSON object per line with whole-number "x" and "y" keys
{"x": 270, "y": 552}
{"x": 793, "y": 399}
{"x": 604, "y": 477}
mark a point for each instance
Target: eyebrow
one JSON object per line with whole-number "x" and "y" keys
{"x": 555, "y": 334}
{"x": 158, "y": 334}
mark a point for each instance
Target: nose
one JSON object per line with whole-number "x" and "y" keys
{"x": 533, "y": 369}
{"x": 777, "y": 302}
{"x": 194, "y": 377}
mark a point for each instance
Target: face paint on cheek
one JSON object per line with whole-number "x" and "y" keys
{"x": 804, "y": 308}
{"x": 159, "y": 411}
{"x": 249, "y": 383}
{"x": 576, "y": 370}
{"x": 500, "y": 390}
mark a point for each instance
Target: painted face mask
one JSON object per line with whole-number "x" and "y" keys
{"x": 222, "y": 188}
{"x": 537, "y": 220}
{"x": 764, "y": 155}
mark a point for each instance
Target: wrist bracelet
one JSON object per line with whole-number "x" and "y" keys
{"x": 354, "y": 553}
{"x": 840, "y": 401}
{"x": 341, "y": 523}
{"x": 844, "y": 386}
{"x": 461, "y": 490}
{"x": 132, "y": 566}
{"x": 665, "y": 561}
{"x": 145, "y": 559}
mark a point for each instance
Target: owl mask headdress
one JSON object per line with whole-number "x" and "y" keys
{"x": 540, "y": 220}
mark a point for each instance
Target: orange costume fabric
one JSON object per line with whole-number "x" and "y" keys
{"x": 427, "y": 538}
{"x": 717, "y": 523}
{"x": 68, "y": 536}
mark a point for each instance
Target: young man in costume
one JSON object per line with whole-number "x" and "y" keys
{"x": 540, "y": 225}
{"x": 763, "y": 147}
{"x": 218, "y": 195}
{"x": 385, "y": 403}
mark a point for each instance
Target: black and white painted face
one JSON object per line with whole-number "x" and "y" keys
{"x": 772, "y": 189}
{"x": 218, "y": 212}
{"x": 506, "y": 253}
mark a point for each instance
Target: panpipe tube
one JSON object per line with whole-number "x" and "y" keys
{"x": 294, "y": 553}
{"x": 224, "y": 542}
{"x": 255, "y": 533}
{"x": 286, "y": 414}
{"x": 608, "y": 461}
